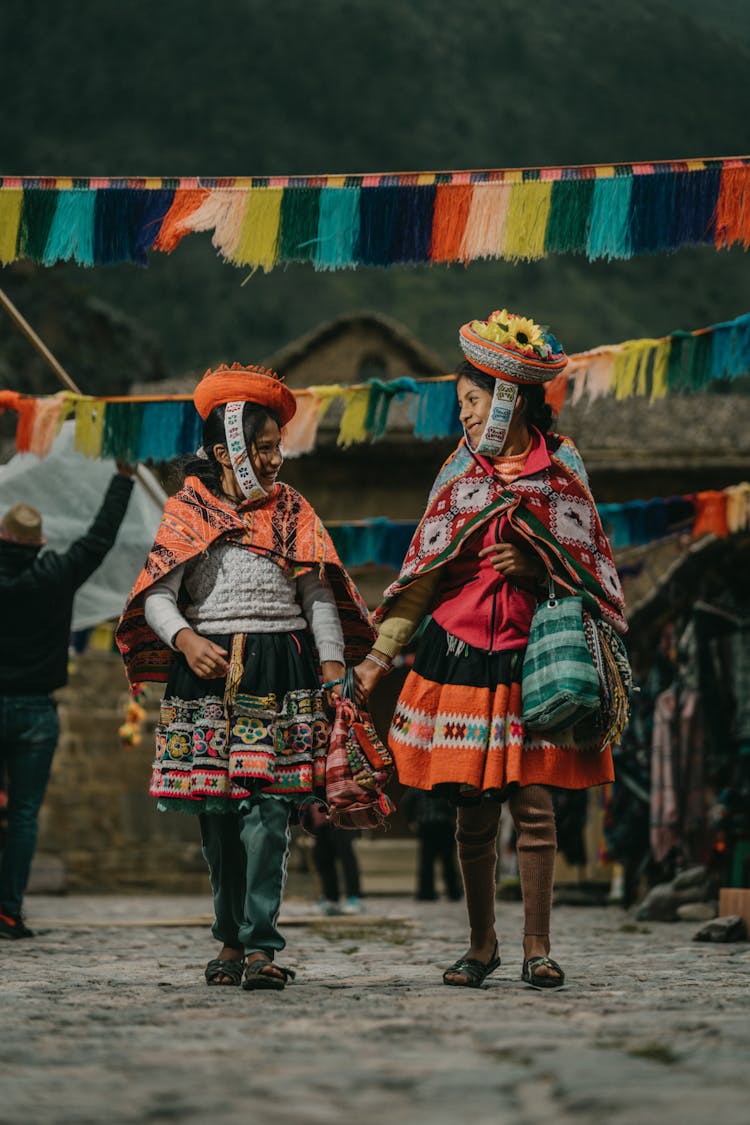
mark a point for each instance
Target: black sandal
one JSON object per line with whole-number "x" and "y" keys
{"x": 218, "y": 968}
{"x": 529, "y": 973}
{"x": 255, "y": 976}
{"x": 474, "y": 971}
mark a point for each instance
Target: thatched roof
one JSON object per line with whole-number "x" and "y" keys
{"x": 334, "y": 352}
{"x": 681, "y": 431}
{"x": 373, "y": 329}
{"x": 707, "y": 568}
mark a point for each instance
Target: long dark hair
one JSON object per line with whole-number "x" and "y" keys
{"x": 536, "y": 410}
{"x": 208, "y": 469}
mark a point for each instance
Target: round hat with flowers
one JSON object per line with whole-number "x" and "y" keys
{"x": 512, "y": 347}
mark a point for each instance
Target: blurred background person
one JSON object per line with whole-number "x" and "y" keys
{"x": 433, "y": 818}
{"x": 334, "y": 848}
{"x": 36, "y": 605}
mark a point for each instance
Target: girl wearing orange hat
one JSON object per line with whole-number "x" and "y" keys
{"x": 509, "y": 509}
{"x": 246, "y": 612}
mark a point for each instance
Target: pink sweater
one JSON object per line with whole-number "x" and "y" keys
{"x": 473, "y": 601}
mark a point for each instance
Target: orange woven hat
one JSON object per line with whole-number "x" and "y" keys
{"x": 240, "y": 383}
{"x": 22, "y": 524}
{"x": 512, "y": 347}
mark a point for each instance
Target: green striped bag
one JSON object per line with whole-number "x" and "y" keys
{"x": 560, "y": 684}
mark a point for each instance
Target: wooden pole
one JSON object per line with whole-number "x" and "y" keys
{"x": 144, "y": 479}
{"x": 37, "y": 343}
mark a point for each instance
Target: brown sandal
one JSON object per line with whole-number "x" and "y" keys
{"x": 529, "y": 973}
{"x": 217, "y": 968}
{"x": 255, "y": 976}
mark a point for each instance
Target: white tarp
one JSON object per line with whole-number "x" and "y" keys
{"x": 68, "y": 488}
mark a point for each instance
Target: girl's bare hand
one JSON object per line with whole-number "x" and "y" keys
{"x": 366, "y": 676}
{"x": 206, "y": 660}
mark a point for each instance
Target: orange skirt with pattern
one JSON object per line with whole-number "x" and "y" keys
{"x": 458, "y": 721}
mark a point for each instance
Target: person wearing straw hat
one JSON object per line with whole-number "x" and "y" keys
{"x": 246, "y": 612}
{"x": 509, "y": 510}
{"x": 37, "y": 589}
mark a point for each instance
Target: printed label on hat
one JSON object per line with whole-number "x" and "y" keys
{"x": 495, "y": 431}
{"x": 242, "y": 466}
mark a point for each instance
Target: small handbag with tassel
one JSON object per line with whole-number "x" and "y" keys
{"x": 358, "y": 766}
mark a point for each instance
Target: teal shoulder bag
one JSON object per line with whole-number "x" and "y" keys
{"x": 560, "y": 683}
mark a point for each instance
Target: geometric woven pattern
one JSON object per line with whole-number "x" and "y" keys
{"x": 474, "y": 737}
{"x": 204, "y": 750}
{"x": 552, "y": 509}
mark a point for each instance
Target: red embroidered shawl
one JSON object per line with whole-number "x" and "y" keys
{"x": 285, "y": 529}
{"x": 552, "y": 509}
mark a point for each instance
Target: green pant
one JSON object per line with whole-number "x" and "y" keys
{"x": 247, "y": 855}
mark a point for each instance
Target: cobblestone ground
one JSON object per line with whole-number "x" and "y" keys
{"x": 106, "y": 1019}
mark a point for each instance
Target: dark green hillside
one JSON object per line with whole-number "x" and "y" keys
{"x": 726, "y": 19}
{"x": 274, "y": 86}
{"x": 248, "y": 87}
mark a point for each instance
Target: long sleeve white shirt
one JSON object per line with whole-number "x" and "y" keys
{"x": 233, "y": 590}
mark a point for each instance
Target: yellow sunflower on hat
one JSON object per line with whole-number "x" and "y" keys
{"x": 495, "y": 328}
{"x": 526, "y": 335}
{"x": 500, "y": 317}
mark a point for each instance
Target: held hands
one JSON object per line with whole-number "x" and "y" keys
{"x": 366, "y": 675}
{"x": 512, "y": 562}
{"x": 333, "y": 670}
{"x": 206, "y": 659}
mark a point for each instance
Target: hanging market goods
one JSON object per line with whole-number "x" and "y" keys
{"x": 339, "y": 222}
{"x": 157, "y": 428}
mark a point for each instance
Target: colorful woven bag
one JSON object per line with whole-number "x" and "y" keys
{"x": 358, "y": 766}
{"x": 610, "y": 658}
{"x": 560, "y": 684}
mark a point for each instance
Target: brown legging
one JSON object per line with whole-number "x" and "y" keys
{"x": 534, "y": 818}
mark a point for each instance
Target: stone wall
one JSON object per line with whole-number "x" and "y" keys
{"x": 98, "y": 818}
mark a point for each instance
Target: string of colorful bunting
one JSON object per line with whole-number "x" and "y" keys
{"x": 680, "y": 363}
{"x": 340, "y": 222}
{"x": 158, "y": 428}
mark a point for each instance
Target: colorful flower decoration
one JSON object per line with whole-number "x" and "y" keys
{"x": 518, "y": 333}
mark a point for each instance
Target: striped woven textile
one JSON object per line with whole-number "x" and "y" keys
{"x": 560, "y": 682}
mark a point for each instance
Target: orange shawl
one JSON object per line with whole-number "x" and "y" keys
{"x": 285, "y": 529}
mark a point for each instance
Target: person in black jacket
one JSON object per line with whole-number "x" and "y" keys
{"x": 36, "y": 605}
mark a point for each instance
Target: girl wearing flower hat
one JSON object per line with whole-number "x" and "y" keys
{"x": 509, "y": 510}
{"x": 245, "y": 611}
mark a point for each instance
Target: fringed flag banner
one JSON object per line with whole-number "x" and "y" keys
{"x": 161, "y": 429}
{"x": 156, "y": 428}
{"x": 612, "y": 211}
{"x": 635, "y": 523}
{"x": 680, "y": 363}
